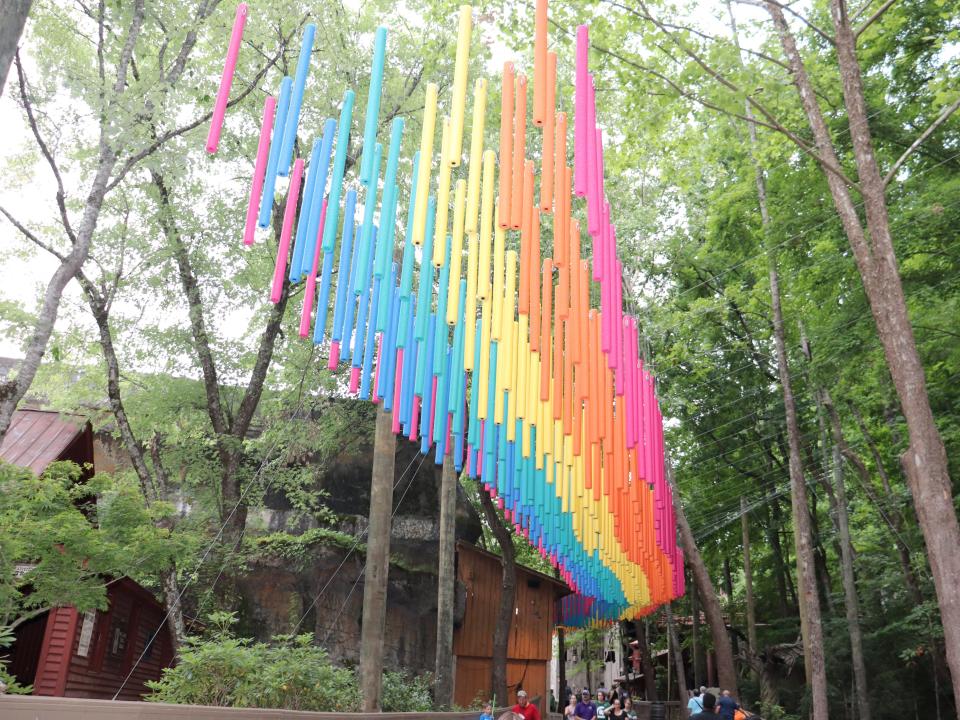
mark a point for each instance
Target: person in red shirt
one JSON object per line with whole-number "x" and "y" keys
{"x": 524, "y": 708}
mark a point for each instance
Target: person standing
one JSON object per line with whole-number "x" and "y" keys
{"x": 487, "y": 713}
{"x": 709, "y": 708}
{"x": 695, "y": 704}
{"x": 524, "y": 708}
{"x": 602, "y": 704}
{"x": 628, "y": 709}
{"x": 570, "y": 711}
{"x": 616, "y": 711}
{"x": 727, "y": 705}
{"x": 585, "y": 709}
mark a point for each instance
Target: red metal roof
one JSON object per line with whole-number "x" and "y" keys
{"x": 37, "y": 438}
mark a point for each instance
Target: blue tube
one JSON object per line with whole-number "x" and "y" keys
{"x": 391, "y": 359}
{"x": 369, "y": 346}
{"x": 373, "y": 104}
{"x": 473, "y": 429}
{"x": 270, "y": 178}
{"x": 489, "y": 427}
{"x": 442, "y": 332}
{"x": 323, "y": 302}
{"x": 425, "y": 287}
{"x": 427, "y": 395}
{"x": 388, "y": 342}
{"x": 459, "y": 330}
{"x": 296, "y": 100}
{"x": 362, "y": 314}
{"x": 344, "y": 266}
{"x": 406, "y": 274}
{"x": 316, "y": 203}
{"x": 346, "y": 331}
{"x": 410, "y": 360}
{"x": 443, "y": 392}
{"x": 304, "y": 220}
{"x": 336, "y": 180}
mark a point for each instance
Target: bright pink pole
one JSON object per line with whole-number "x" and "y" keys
{"x": 415, "y": 419}
{"x": 259, "y": 170}
{"x": 355, "y": 380}
{"x": 334, "y": 358}
{"x": 311, "y": 288}
{"x": 279, "y": 270}
{"x": 226, "y": 80}
{"x": 590, "y": 164}
{"x": 580, "y": 122}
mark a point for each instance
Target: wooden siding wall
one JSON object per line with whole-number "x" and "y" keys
{"x": 531, "y": 632}
{"x": 25, "y": 655}
{"x": 532, "y": 627}
{"x": 101, "y": 673}
{"x": 55, "y": 656}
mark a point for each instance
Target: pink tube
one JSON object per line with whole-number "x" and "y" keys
{"x": 395, "y": 413}
{"x": 580, "y": 113}
{"x": 376, "y": 369}
{"x": 279, "y": 269}
{"x": 334, "y": 355}
{"x": 415, "y": 419}
{"x": 311, "y": 288}
{"x": 355, "y": 380}
{"x": 593, "y": 205}
{"x": 226, "y": 80}
{"x": 259, "y": 170}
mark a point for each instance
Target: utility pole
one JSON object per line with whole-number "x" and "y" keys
{"x": 446, "y": 583}
{"x": 378, "y": 563}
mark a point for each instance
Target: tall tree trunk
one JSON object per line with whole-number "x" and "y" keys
{"x": 748, "y": 577}
{"x": 925, "y": 461}
{"x": 505, "y": 611}
{"x": 446, "y": 582}
{"x": 646, "y": 662}
{"x": 728, "y": 590}
{"x": 695, "y": 637}
{"x": 14, "y": 14}
{"x": 378, "y": 563}
{"x": 677, "y": 655}
{"x": 850, "y": 590}
{"x": 726, "y": 671}
{"x": 811, "y": 625}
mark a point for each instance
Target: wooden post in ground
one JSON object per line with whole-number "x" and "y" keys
{"x": 446, "y": 583}
{"x": 378, "y": 563}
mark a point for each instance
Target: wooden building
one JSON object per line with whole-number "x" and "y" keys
{"x": 63, "y": 652}
{"x": 89, "y": 655}
{"x": 531, "y": 633}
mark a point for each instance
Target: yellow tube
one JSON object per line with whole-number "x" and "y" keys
{"x": 532, "y": 387}
{"x": 484, "y": 370}
{"x": 522, "y": 351}
{"x": 476, "y": 152}
{"x": 460, "y": 69}
{"x": 443, "y": 201}
{"x": 486, "y": 226}
{"x": 470, "y": 311}
{"x": 508, "y": 311}
{"x": 456, "y": 254}
{"x": 426, "y": 161}
{"x": 499, "y": 243}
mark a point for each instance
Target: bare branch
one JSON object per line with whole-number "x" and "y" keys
{"x": 873, "y": 18}
{"x": 942, "y": 118}
{"x": 31, "y": 236}
{"x": 44, "y": 148}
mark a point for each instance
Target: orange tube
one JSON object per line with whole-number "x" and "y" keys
{"x": 557, "y": 359}
{"x": 547, "y": 160}
{"x": 596, "y": 364}
{"x": 560, "y": 159}
{"x": 506, "y": 145}
{"x": 574, "y": 274}
{"x": 608, "y": 408}
{"x": 545, "y": 312}
{"x": 533, "y": 282}
{"x": 519, "y": 152}
{"x": 526, "y": 241}
{"x": 578, "y": 425}
{"x": 584, "y": 287}
{"x": 540, "y": 63}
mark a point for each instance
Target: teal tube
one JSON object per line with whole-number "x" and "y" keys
{"x": 388, "y": 206}
{"x": 373, "y": 105}
{"x": 367, "y": 236}
{"x": 336, "y": 181}
{"x": 425, "y": 287}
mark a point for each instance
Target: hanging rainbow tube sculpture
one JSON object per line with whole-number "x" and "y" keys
{"x": 480, "y": 344}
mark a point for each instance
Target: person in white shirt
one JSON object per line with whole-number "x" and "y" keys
{"x": 695, "y": 704}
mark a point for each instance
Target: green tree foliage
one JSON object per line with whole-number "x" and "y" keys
{"x": 290, "y": 674}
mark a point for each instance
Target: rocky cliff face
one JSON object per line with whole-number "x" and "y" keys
{"x": 321, "y": 588}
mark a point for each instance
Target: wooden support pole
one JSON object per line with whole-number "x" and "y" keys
{"x": 446, "y": 583}
{"x": 378, "y": 563}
